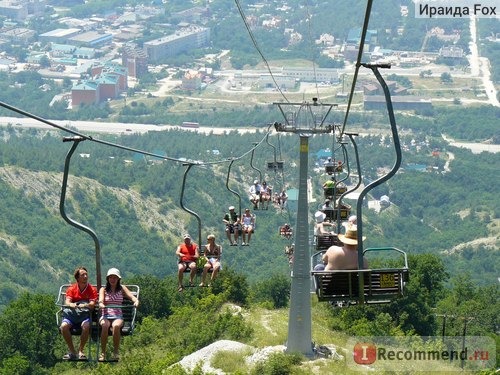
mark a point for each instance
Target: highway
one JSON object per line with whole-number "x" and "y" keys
{"x": 113, "y": 127}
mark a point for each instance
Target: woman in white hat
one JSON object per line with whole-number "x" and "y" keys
{"x": 112, "y": 317}
{"x": 323, "y": 228}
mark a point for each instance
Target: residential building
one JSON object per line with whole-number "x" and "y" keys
{"x": 85, "y": 93}
{"x": 59, "y": 36}
{"x": 135, "y": 60}
{"x": 182, "y": 41}
{"x": 312, "y": 75}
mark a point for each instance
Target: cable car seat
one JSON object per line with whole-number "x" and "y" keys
{"x": 129, "y": 312}
{"x": 381, "y": 285}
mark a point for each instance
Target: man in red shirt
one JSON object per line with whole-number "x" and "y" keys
{"x": 188, "y": 254}
{"x": 81, "y": 298}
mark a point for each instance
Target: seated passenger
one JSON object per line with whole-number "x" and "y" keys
{"x": 328, "y": 187}
{"x": 289, "y": 253}
{"x": 232, "y": 222}
{"x": 212, "y": 254}
{"x": 323, "y": 228}
{"x": 282, "y": 198}
{"x": 112, "y": 317}
{"x": 80, "y": 300}
{"x": 286, "y": 231}
{"x": 247, "y": 227}
{"x": 345, "y": 257}
{"x": 352, "y": 220}
{"x": 326, "y": 205}
{"x": 254, "y": 192}
{"x": 265, "y": 194}
{"x": 188, "y": 254}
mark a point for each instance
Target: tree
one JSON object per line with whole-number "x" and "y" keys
{"x": 234, "y": 286}
{"x": 154, "y": 297}
{"x": 44, "y": 62}
{"x": 446, "y": 78}
{"x": 27, "y": 329}
{"x": 275, "y": 289}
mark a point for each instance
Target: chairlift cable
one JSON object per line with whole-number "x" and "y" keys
{"x": 358, "y": 61}
{"x": 117, "y": 145}
{"x": 311, "y": 46}
{"x": 254, "y": 41}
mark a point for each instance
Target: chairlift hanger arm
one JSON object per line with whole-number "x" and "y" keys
{"x": 255, "y": 144}
{"x": 189, "y": 165}
{"x": 76, "y": 141}
{"x": 397, "y": 147}
{"x": 392, "y": 172}
{"x": 274, "y": 147}
{"x": 233, "y": 191}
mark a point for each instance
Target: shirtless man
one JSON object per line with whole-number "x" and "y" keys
{"x": 345, "y": 257}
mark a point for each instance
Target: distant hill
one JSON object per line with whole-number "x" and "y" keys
{"x": 135, "y": 210}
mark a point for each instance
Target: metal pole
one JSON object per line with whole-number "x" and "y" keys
{"x": 187, "y": 209}
{"x": 251, "y": 162}
{"x": 392, "y": 172}
{"x": 231, "y": 190}
{"x": 76, "y": 141}
{"x": 299, "y": 326}
{"x": 305, "y": 123}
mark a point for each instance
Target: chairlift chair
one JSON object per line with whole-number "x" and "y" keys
{"x": 336, "y": 191}
{"x": 332, "y": 167}
{"x": 129, "y": 312}
{"x": 332, "y": 213}
{"x": 381, "y": 285}
{"x": 276, "y": 165}
{"x": 323, "y": 242}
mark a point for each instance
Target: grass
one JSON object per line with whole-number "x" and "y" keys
{"x": 229, "y": 361}
{"x": 271, "y": 329}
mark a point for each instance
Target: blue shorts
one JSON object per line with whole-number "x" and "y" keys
{"x": 75, "y": 316}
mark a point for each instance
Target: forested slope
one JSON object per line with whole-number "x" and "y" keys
{"x": 133, "y": 203}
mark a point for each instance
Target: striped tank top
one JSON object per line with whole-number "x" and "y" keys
{"x": 113, "y": 298}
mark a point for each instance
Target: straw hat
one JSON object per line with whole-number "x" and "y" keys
{"x": 351, "y": 236}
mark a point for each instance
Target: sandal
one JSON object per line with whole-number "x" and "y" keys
{"x": 69, "y": 357}
{"x": 116, "y": 357}
{"x": 102, "y": 357}
{"x": 180, "y": 289}
{"x": 82, "y": 357}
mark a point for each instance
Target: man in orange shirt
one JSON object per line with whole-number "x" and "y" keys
{"x": 81, "y": 298}
{"x": 188, "y": 254}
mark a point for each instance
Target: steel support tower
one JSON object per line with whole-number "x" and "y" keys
{"x": 304, "y": 119}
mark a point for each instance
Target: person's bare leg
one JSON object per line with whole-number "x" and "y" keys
{"x": 104, "y": 338}
{"x": 84, "y": 337}
{"x": 117, "y": 335}
{"x": 66, "y": 333}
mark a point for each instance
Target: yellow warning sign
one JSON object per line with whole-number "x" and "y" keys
{"x": 387, "y": 280}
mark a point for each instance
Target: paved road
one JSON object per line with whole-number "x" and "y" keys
{"x": 480, "y": 66}
{"x": 114, "y": 127}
